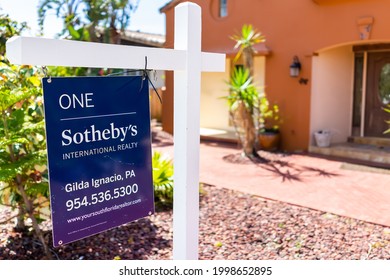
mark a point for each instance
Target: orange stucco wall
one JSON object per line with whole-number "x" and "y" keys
{"x": 291, "y": 27}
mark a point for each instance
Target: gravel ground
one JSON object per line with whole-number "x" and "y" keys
{"x": 233, "y": 225}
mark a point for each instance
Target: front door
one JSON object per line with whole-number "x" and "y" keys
{"x": 377, "y": 95}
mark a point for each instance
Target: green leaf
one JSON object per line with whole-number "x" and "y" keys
{"x": 247, "y": 39}
{"x": 10, "y": 98}
{"x": 86, "y": 36}
{"x": 242, "y": 89}
{"x": 162, "y": 178}
{"x": 4, "y": 142}
{"x": 30, "y": 128}
{"x": 7, "y": 174}
{"x": 36, "y": 81}
{"x": 35, "y": 189}
{"x": 73, "y": 32}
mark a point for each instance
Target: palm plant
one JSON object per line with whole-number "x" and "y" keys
{"x": 245, "y": 42}
{"x": 243, "y": 99}
{"x": 244, "y": 96}
{"x": 243, "y": 89}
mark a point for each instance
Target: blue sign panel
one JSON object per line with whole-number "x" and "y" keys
{"x": 99, "y": 153}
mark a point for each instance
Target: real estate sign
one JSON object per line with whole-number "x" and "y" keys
{"x": 99, "y": 153}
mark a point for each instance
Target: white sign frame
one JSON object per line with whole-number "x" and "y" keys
{"x": 187, "y": 61}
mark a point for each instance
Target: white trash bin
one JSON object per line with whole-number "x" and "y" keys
{"x": 322, "y": 138}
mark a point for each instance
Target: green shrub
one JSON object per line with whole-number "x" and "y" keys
{"x": 162, "y": 180}
{"x": 23, "y": 170}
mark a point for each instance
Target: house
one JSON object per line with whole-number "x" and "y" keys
{"x": 343, "y": 47}
{"x": 137, "y": 38}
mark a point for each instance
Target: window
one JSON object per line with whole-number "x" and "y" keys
{"x": 384, "y": 84}
{"x": 223, "y": 11}
{"x": 357, "y": 95}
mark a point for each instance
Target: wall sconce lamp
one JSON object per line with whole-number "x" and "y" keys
{"x": 295, "y": 67}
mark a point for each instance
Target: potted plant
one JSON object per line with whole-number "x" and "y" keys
{"x": 269, "y": 120}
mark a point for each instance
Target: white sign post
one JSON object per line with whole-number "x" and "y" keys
{"x": 187, "y": 61}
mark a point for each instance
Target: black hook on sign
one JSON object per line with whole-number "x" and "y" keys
{"x": 146, "y": 68}
{"x": 146, "y": 76}
{"x": 45, "y": 72}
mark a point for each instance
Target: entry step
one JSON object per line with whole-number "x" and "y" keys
{"x": 374, "y": 141}
{"x": 375, "y": 155}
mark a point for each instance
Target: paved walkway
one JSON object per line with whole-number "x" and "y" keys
{"x": 321, "y": 184}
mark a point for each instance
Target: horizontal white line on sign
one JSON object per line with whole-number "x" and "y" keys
{"x": 98, "y": 116}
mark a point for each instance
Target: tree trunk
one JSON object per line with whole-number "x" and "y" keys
{"x": 115, "y": 36}
{"x": 20, "y": 225}
{"x": 247, "y": 56}
{"x": 92, "y": 33}
{"x": 30, "y": 212}
{"x": 245, "y": 128}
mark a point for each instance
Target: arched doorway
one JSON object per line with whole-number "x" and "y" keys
{"x": 376, "y": 94}
{"x": 371, "y": 90}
